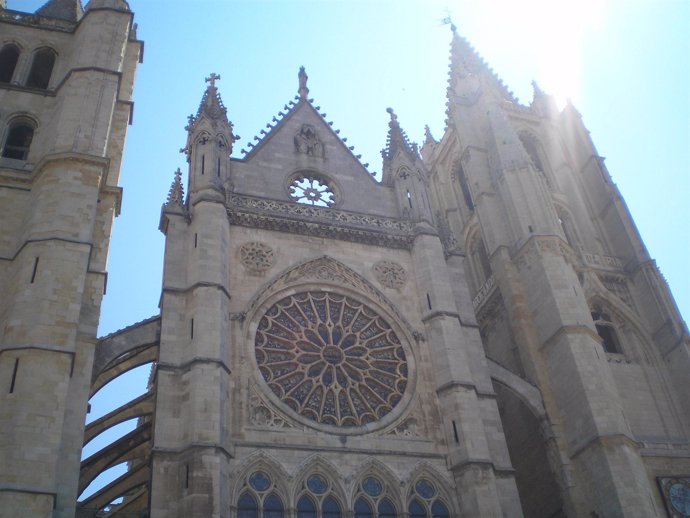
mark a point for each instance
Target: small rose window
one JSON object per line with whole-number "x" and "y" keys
{"x": 312, "y": 190}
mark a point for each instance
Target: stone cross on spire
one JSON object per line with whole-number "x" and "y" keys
{"x": 303, "y": 90}
{"x": 212, "y": 79}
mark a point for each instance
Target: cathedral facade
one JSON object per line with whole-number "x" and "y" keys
{"x": 478, "y": 333}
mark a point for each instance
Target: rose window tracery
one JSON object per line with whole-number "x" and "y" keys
{"x": 331, "y": 359}
{"x": 311, "y": 190}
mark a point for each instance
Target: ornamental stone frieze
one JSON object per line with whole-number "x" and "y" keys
{"x": 297, "y": 218}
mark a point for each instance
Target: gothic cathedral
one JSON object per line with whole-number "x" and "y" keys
{"x": 479, "y": 333}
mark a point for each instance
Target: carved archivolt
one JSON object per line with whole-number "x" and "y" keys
{"x": 257, "y": 257}
{"x": 390, "y": 274}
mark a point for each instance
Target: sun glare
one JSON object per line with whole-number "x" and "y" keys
{"x": 549, "y": 34}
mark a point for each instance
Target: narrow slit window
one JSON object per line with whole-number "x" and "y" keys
{"x": 203, "y": 163}
{"x": 14, "y": 374}
{"x": 428, "y": 300}
{"x": 218, "y": 168}
{"x": 33, "y": 274}
{"x": 196, "y": 236}
{"x": 409, "y": 199}
{"x": 191, "y": 329}
{"x": 455, "y": 433}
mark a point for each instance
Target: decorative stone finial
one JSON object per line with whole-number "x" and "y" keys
{"x": 303, "y": 90}
{"x": 176, "y": 194}
{"x": 394, "y": 117}
{"x": 212, "y": 79}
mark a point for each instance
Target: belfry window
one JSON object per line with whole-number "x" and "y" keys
{"x": 18, "y": 141}
{"x": 41, "y": 68}
{"x": 607, "y": 332}
{"x": 9, "y": 55}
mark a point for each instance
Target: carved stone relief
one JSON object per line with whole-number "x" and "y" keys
{"x": 257, "y": 257}
{"x": 390, "y": 274}
{"x": 307, "y": 141}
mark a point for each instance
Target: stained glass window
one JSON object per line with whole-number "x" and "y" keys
{"x": 330, "y": 508}
{"x": 386, "y": 509}
{"x": 247, "y": 506}
{"x": 306, "y": 508}
{"x": 428, "y": 498}
{"x": 363, "y": 509}
{"x": 331, "y": 359}
{"x": 317, "y": 484}
{"x": 273, "y": 507}
{"x": 439, "y": 510}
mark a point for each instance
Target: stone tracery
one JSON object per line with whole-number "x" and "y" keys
{"x": 331, "y": 359}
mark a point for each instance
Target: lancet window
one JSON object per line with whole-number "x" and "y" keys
{"x": 426, "y": 501}
{"x": 317, "y": 499}
{"x": 41, "y": 68}
{"x": 606, "y": 331}
{"x": 259, "y": 498}
{"x": 373, "y": 500}
{"x": 9, "y": 55}
{"x": 18, "y": 142}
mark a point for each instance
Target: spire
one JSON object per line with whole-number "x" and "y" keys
{"x": 397, "y": 140}
{"x": 70, "y": 10}
{"x": 211, "y": 104}
{"x": 303, "y": 90}
{"x": 466, "y": 64}
{"x": 176, "y": 194}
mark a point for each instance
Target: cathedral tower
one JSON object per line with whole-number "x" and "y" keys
{"x": 66, "y": 77}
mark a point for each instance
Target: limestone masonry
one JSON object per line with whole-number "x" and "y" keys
{"x": 481, "y": 333}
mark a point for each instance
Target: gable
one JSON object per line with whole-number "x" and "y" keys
{"x": 302, "y": 145}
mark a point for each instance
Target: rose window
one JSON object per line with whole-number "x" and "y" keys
{"x": 312, "y": 191}
{"x": 331, "y": 359}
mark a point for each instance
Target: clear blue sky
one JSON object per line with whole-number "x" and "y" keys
{"x": 625, "y": 64}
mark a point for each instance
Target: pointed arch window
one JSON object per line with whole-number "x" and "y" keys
{"x": 427, "y": 502}
{"x": 464, "y": 186}
{"x": 479, "y": 261}
{"x": 9, "y": 56}
{"x": 41, "y": 68}
{"x": 317, "y": 501}
{"x": 373, "y": 500}
{"x": 259, "y": 498}
{"x": 18, "y": 142}
{"x": 606, "y": 331}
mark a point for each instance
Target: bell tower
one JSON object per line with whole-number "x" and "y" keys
{"x": 63, "y": 122}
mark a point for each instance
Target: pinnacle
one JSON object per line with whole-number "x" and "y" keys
{"x": 176, "y": 194}
{"x": 70, "y": 10}
{"x": 397, "y": 139}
